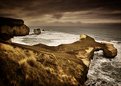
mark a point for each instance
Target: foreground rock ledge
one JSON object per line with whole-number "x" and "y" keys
{"x": 41, "y": 65}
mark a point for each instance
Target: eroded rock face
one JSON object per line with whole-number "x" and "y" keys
{"x": 41, "y": 65}
{"x": 12, "y": 27}
{"x": 109, "y": 50}
{"x": 15, "y": 30}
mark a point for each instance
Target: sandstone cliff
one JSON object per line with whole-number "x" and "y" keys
{"x": 42, "y": 65}
{"x": 12, "y": 27}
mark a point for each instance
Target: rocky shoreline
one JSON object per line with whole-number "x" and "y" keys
{"x": 42, "y": 65}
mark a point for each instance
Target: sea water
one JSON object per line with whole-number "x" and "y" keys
{"x": 102, "y": 71}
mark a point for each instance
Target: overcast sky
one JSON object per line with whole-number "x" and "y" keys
{"x": 62, "y": 12}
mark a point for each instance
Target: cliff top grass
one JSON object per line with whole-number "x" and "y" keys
{"x": 42, "y": 65}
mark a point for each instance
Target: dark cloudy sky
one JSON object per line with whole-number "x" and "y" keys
{"x": 60, "y": 12}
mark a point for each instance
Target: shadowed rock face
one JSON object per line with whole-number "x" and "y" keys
{"x": 12, "y": 27}
{"x": 10, "y": 21}
{"x": 42, "y": 65}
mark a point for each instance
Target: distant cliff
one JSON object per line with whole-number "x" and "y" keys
{"x": 42, "y": 65}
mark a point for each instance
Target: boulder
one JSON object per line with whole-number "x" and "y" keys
{"x": 42, "y": 65}
{"x": 12, "y": 27}
{"x": 109, "y": 50}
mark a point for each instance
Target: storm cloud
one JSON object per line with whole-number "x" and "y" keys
{"x": 56, "y": 9}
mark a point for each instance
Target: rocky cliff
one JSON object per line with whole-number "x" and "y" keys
{"x": 42, "y": 65}
{"x": 12, "y": 27}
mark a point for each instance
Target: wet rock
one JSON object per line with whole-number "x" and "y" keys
{"x": 12, "y": 27}
{"x": 37, "y": 31}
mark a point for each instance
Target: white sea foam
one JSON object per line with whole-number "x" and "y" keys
{"x": 50, "y": 38}
{"x": 104, "y": 71}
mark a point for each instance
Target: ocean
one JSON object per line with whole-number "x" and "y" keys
{"x": 102, "y": 71}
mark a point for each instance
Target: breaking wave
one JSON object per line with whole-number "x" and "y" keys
{"x": 50, "y": 38}
{"x": 105, "y": 72}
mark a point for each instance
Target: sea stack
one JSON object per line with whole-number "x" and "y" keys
{"x": 10, "y": 27}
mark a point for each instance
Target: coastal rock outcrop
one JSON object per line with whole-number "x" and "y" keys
{"x": 12, "y": 27}
{"x": 109, "y": 51}
{"x": 42, "y": 65}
